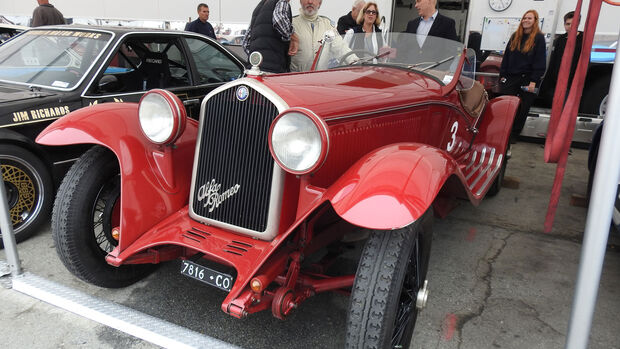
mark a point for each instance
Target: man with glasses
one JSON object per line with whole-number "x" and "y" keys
{"x": 311, "y": 28}
{"x": 431, "y": 22}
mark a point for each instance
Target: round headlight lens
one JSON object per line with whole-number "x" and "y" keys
{"x": 296, "y": 142}
{"x": 156, "y": 118}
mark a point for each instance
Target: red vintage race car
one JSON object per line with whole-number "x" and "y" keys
{"x": 256, "y": 197}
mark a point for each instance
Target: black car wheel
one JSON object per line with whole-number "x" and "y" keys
{"x": 85, "y": 212}
{"x": 29, "y": 190}
{"x": 390, "y": 287}
{"x": 594, "y": 100}
{"x": 496, "y": 186}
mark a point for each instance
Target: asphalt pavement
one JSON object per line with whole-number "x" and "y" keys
{"x": 496, "y": 281}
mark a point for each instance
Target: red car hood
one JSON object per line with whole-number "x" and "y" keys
{"x": 337, "y": 92}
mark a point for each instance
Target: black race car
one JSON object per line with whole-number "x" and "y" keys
{"x": 46, "y": 73}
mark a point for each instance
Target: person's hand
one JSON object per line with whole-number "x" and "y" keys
{"x": 294, "y": 45}
{"x": 531, "y": 87}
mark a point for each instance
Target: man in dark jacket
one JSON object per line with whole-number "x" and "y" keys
{"x": 547, "y": 88}
{"x": 200, "y": 25}
{"x": 46, "y": 14}
{"x": 431, "y": 22}
{"x": 349, "y": 20}
{"x": 271, "y": 33}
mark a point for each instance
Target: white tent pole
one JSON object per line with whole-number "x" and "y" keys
{"x": 6, "y": 226}
{"x": 598, "y": 221}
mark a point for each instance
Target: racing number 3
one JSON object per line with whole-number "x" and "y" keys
{"x": 453, "y": 129}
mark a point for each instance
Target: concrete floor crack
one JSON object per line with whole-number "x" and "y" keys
{"x": 539, "y": 319}
{"x": 484, "y": 273}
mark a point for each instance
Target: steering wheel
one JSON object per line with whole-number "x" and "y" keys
{"x": 362, "y": 53}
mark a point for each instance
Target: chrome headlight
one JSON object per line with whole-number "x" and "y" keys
{"x": 298, "y": 141}
{"x": 162, "y": 116}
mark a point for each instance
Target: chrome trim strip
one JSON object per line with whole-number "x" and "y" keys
{"x": 95, "y": 61}
{"x": 498, "y": 165}
{"x": 473, "y": 160}
{"x": 277, "y": 185}
{"x": 482, "y": 157}
{"x": 388, "y": 110}
{"x": 65, "y": 161}
{"x": 485, "y": 170}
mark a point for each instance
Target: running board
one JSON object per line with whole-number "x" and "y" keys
{"x": 537, "y": 123}
{"x": 122, "y": 318}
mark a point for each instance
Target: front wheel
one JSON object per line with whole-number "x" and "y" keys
{"x": 390, "y": 287}
{"x": 86, "y": 210}
{"x": 29, "y": 190}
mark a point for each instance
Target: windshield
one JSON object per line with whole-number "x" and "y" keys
{"x": 434, "y": 56}
{"x": 51, "y": 58}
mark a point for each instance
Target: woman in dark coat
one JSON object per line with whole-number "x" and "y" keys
{"x": 523, "y": 66}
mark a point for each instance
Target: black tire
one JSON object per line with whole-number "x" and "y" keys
{"x": 496, "y": 186}
{"x": 82, "y": 221}
{"x": 29, "y": 190}
{"x": 391, "y": 271}
{"x": 594, "y": 95}
{"x": 615, "y": 218}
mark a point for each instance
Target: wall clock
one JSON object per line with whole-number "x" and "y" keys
{"x": 499, "y": 5}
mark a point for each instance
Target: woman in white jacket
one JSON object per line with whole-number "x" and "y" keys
{"x": 368, "y": 20}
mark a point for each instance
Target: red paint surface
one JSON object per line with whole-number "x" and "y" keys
{"x": 471, "y": 234}
{"x": 449, "y": 326}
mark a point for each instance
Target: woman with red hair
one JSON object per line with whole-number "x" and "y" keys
{"x": 523, "y": 66}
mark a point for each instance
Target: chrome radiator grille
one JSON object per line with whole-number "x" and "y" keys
{"x": 234, "y": 169}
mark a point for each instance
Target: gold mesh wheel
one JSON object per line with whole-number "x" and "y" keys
{"x": 21, "y": 193}
{"x": 29, "y": 189}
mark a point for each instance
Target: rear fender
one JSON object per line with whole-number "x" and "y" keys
{"x": 155, "y": 180}
{"x": 487, "y": 154}
{"x": 391, "y": 187}
{"x": 495, "y": 125}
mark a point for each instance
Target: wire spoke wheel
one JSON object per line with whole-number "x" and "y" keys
{"x": 106, "y": 212}
{"x": 29, "y": 190}
{"x": 407, "y": 312}
{"x": 390, "y": 286}
{"x": 86, "y": 211}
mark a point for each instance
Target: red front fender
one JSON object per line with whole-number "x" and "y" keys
{"x": 155, "y": 180}
{"x": 393, "y": 186}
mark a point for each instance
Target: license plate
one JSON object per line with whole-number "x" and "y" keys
{"x": 207, "y": 275}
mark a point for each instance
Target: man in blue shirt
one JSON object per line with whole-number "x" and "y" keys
{"x": 200, "y": 25}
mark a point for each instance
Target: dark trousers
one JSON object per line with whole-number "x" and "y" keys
{"x": 512, "y": 86}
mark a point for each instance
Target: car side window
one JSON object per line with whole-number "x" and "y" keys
{"x": 213, "y": 65}
{"x": 123, "y": 61}
{"x": 142, "y": 64}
